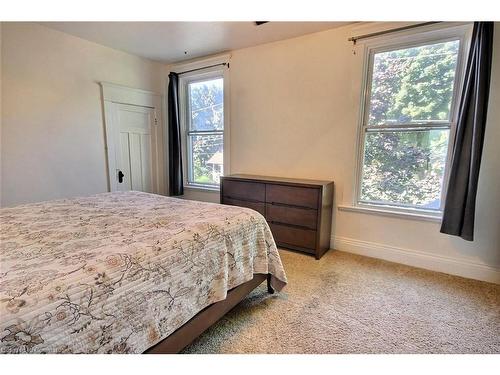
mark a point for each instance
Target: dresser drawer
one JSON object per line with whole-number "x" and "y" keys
{"x": 293, "y": 195}
{"x": 244, "y": 190}
{"x": 304, "y": 217}
{"x": 257, "y": 206}
{"x": 286, "y": 235}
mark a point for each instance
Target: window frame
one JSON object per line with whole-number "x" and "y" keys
{"x": 414, "y": 38}
{"x": 184, "y": 108}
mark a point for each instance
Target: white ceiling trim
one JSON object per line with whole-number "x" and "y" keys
{"x": 200, "y": 63}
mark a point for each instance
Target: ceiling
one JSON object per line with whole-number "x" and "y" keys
{"x": 170, "y": 42}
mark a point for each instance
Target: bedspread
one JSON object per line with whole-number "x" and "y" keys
{"x": 119, "y": 272}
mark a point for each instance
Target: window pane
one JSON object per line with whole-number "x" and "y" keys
{"x": 206, "y": 158}
{"x": 206, "y": 104}
{"x": 404, "y": 168}
{"x": 413, "y": 84}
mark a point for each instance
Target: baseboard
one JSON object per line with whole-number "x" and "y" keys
{"x": 458, "y": 267}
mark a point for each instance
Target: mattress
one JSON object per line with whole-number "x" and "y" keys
{"x": 118, "y": 272}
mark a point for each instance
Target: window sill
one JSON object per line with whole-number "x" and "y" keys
{"x": 391, "y": 213}
{"x": 209, "y": 189}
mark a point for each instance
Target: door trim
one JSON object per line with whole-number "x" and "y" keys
{"x": 117, "y": 94}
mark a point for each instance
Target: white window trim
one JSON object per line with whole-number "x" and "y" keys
{"x": 217, "y": 71}
{"x": 434, "y": 33}
{"x": 389, "y": 212}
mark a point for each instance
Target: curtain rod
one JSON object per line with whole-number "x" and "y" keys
{"x": 205, "y": 67}
{"x": 364, "y": 36}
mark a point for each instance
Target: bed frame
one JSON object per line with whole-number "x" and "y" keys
{"x": 207, "y": 317}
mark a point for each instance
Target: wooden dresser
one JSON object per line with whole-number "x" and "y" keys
{"x": 299, "y": 212}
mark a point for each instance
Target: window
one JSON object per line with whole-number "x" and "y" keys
{"x": 408, "y": 120}
{"x": 202, "y": 105}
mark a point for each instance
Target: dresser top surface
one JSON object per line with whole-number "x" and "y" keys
{"x": 286, "y": 180}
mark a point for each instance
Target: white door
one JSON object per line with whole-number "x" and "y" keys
{"x": 133, "y": 147}
{"x": 134, "y": 139}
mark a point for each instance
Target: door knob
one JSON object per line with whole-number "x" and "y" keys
{"x": 120, "y": 176}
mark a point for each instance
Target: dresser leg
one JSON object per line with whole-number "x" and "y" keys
{"x": 270, "y": 289}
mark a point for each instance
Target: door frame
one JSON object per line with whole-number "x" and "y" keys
{"x": 117, "y": 94}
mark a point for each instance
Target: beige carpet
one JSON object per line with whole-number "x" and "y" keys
{"x": 346, "y": 303}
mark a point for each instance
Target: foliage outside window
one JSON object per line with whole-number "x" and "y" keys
{"x": 205, "y": 131}
{"x": 407, "y": 123}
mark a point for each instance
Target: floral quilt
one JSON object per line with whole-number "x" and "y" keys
{"x": 118, "y": 272}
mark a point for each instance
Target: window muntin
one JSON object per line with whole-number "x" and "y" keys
{"x": 409, "y": 116}
{"x": 204, "y": 131}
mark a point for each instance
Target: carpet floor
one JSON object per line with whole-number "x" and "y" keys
{"x": 346, "y": 303}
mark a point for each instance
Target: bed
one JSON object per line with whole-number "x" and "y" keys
{"x": 126, "y": 272}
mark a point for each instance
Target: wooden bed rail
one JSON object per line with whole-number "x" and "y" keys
{"x": 186, "y": 334}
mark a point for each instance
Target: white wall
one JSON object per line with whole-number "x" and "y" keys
{"x": 294, "y": 113}
{"x": 52, "y": 142}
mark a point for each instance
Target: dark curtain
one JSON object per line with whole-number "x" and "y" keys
{"x": 460, "y": 204}
{"x": 175, "y": 180}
